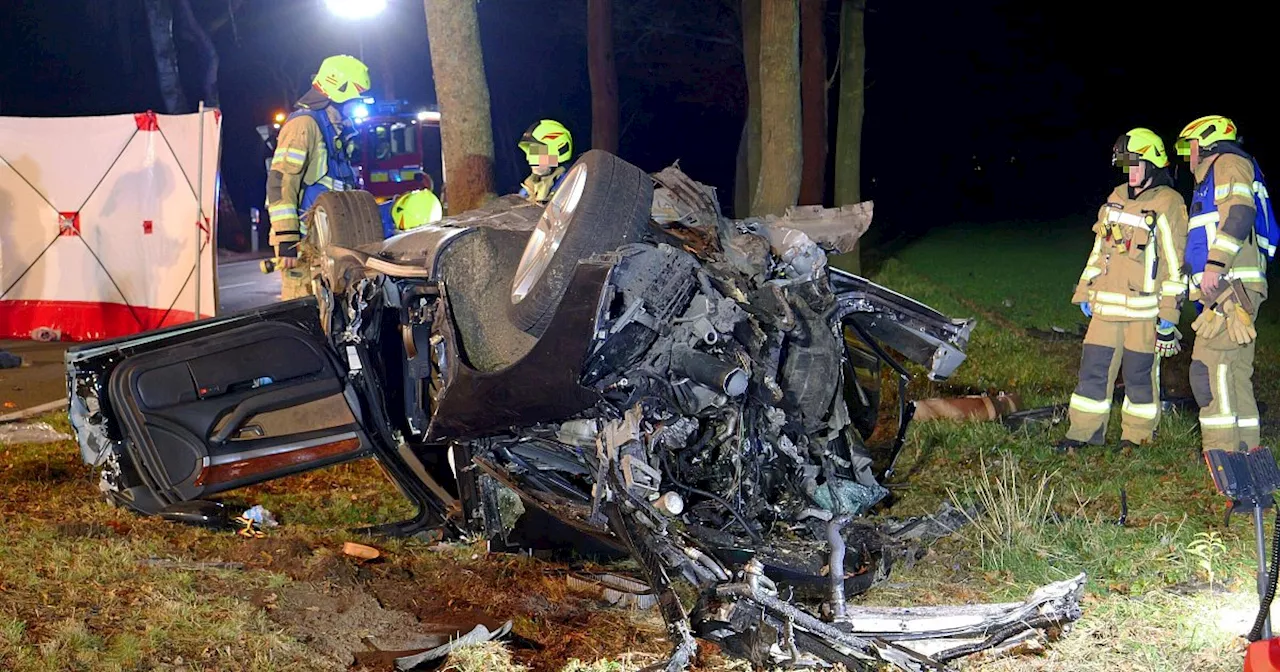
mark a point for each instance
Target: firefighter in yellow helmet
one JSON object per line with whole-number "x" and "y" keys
{"x": 548, "y": 146}
{"x": 312, "y": 156}
{"x": 1233, "y": 236}
{"x": 1132, "y": 290}
{"x": 409, "y": 211}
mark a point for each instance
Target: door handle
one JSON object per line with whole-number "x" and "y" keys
{"x": 255, "y": 430}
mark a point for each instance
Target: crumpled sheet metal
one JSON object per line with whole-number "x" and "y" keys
{"x": 478, "y": 635}
{"x": 837, "y": 229}
{"x": 931, "y": 631}
{"x": 33, "y": 432}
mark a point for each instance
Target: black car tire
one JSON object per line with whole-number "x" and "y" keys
{"x": 614, "y": 209}
{"x": 344, "y": 218}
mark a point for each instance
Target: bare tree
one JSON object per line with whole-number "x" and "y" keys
{"x": 749, "y": 147}
{"x": 466, "y": 131}
{"x": 160, "y": 25}
{"x": 848, "y": 168}
{"x": 604, "y": 77}
{"x": 813, "y": 95}
{"x": 778, "y": 186}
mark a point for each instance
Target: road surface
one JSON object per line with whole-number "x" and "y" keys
{"x": 242, "y": 285}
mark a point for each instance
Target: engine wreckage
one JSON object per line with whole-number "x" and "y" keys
{"x": 693, "y": 390}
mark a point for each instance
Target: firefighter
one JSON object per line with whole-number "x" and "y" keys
{"x": 1232, "y": 237}
{"x": 312, "y": 156}
{"x": 1132, "y": 290}
{"x": 548, "y": 146}
{"x": 409, "y": 211}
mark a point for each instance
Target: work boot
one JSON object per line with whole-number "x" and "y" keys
{"x": 1126, "y": 447}
{"x": 1068, "y": 446}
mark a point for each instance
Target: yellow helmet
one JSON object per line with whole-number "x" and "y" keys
{"x": 1138, "y": 144}
{"x": 550, "y": 134}
{"x": 342, "y": 78}
{"x": 1208, "y": 130}
{"x": 415, "y": 208}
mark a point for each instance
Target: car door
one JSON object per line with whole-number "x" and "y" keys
{"x": 194, "y": 410}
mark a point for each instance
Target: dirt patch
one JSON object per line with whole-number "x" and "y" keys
{"x": 340, "y": 623}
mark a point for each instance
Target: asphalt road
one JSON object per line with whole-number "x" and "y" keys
{"x": 242, "y": 285}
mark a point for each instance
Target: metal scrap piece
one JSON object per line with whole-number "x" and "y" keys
{"x": 836, "y": 229}
{"x": 478, "y": 634}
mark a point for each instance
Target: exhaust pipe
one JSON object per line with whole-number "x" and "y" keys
{"x": 708, "y": 370}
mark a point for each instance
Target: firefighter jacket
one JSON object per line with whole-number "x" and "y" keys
{"x": 1134, "y": 271}
{"x": 540, "y": 188}
{"x": 310, "y": 159}
{"x": 1232, "y": 228}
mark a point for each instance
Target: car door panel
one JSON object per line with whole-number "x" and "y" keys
{"x": 256, "y": 402}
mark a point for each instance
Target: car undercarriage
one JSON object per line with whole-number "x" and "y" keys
{"x": 694, "y": 391}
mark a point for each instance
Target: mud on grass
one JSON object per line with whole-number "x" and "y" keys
{"x": 76, "y": 592}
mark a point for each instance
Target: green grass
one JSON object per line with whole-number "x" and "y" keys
{"x": 1149, "y": 605}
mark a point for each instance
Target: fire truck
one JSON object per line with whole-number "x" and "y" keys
{"x": 397, "y": 148}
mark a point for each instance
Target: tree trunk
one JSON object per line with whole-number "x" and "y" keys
{"x": 848, "y": 169}
{"x": 749, "y": 149}
{"x": 813, "y": 94}
{"x": 462, "y": 92}
{"x": 778, "y": 186}
{"x": 194, "y": 33}
{"x": 604, "y": 77}
{"x": 160, "y": 25}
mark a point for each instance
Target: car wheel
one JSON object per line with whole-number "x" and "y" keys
{"x": 346, "y": 219}
{"x": 602, "y": 202}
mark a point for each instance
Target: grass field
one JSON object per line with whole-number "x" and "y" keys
{"x": 1169, "y": 590}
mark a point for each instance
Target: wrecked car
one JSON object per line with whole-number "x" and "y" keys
{"x": 695, "y": 391}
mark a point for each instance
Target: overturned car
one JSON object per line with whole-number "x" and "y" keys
{"x": 694, "y": 391}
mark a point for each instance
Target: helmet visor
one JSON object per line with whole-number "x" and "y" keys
{"x": 1183, "y": 146}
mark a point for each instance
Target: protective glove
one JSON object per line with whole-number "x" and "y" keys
{"x": 1084, "y": 308}
{"x": 1209, "y": 324}
{"x": 1167, "y": 339}
{"x": 1239, "y": 324}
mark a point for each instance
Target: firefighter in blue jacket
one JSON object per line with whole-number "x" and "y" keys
{"x": 313, "y": 155}
{"x": 1232, "y": 236}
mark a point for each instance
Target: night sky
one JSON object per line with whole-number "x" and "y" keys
{"x": 1037, "y": 92}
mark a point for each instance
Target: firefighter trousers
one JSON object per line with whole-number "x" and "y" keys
{"x": 1112, "y": 347}
{"x": 1222, "y": 382}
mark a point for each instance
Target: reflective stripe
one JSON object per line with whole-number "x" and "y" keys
{"x": 1201, "y": 220}
{"x": 1216, "y": 421}
{"x": 1126, "y": 218}
{"x": 1224, "y": 392}
{"x": 332, "y": 184}
{"x": 1170, "y": 252}
{"x": 282, "y": 210}
{"x": 1118, "y": 299}
{"x": 1234, "y": 189}
{"x": 1090, "y": 273}
{"x": 1144, "y": 411}
{"x": 1247, "y": 273}
{"x": 1226, "y": 244}
{"x": 1172, "y": 287}
{"x": 1131, "y": 313}
{"x": 1247, "y": 423}
{"x": 1087, "y": 405}
{"x": 1260, "y": 189}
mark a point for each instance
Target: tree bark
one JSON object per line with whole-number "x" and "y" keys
{"x": 193, "y": 32}
{"x": 813, "y": 94}
{"x": 778, "y": 186}
{"x": 749, "y": 149}
{"x": 160, "y": 26}
{"x": 466, "y": 131}
{"x": 604, "y": 77}
{"x": 848, "y": 168}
